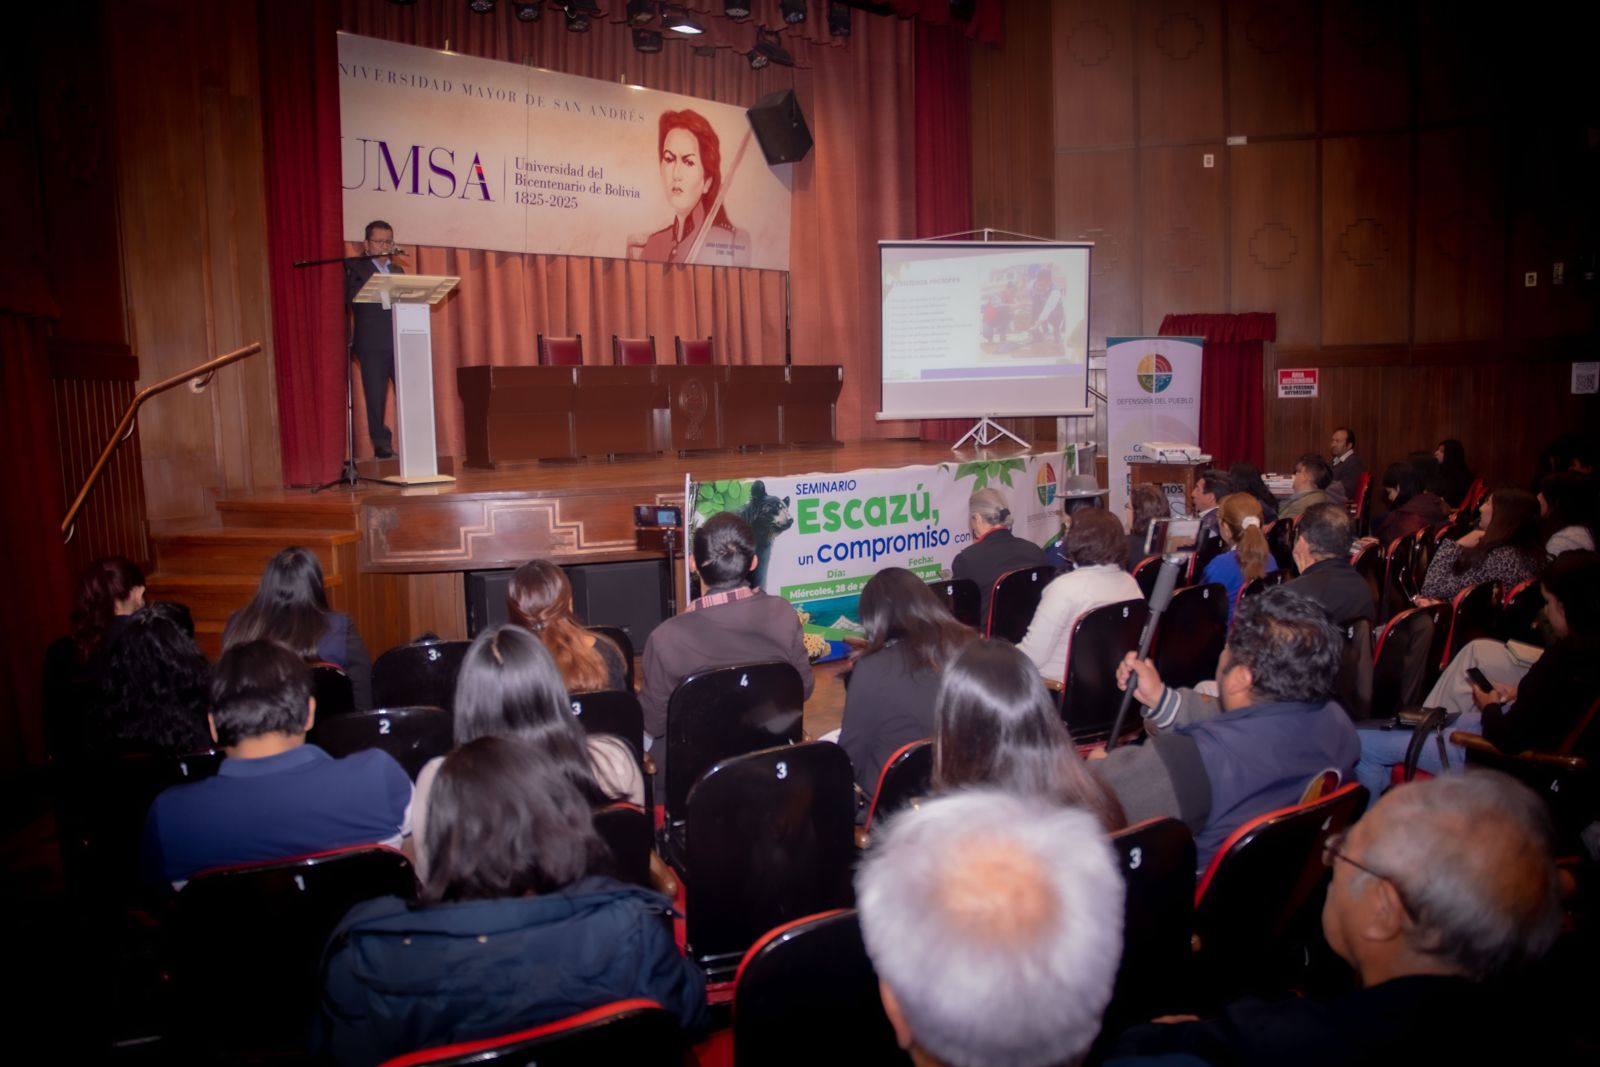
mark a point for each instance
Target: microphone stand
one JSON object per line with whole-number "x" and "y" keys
{"x": 349, "y": 476}
{"x": 1172, "y": 565}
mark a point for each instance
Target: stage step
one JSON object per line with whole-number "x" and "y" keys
{"x": 234, "y": 550}
{"x": 332, "y": 510}
{"x": 214, "y": 597}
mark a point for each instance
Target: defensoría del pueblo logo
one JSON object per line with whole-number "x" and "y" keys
{"x": 1045, "y": 484}
{"x": 1155, "y": 373}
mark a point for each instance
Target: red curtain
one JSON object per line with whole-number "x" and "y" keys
{"x": 1231, "y": 387}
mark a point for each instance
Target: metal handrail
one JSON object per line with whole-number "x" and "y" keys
{"x": 124, "y": 429}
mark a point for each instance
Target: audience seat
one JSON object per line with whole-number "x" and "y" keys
{"x": 1257, "y": 586}
{"x": 1260, "y": 899}
{"x": 560, "y": 351}
{"x": 331, "y": 686}
{"x": 1100, "y": 639}
{"x": 412, "y": 735}
{"x": 625, "y": 1031}
{"x": 906, "y": 778}
{"x": 1519, "y": 614}
{"x": 721, "y": 713}
{"x": 1191, "y": 635}
{"x": 630, "y": 835}
{"x": 619, "y": 637}
{"x": 1145, "y": 573}
{"x": 1474, "y": 614}
{"x": 1399, "y": 584}
{"x": 768, "y": 839}
{"x": 1563, "y": 782}
{"x": 1401, "y": 662}
{"x": 248, "y": 943}
{"x": 1157, "y": 859}
{"x": 1207, "y": 547}
{"x": 418, "y": 673}
{"x": 633, "y": 351}
{"x": 806, "y": 993}
{"x": 1353, "y": 688}
{"x": 1469, "y": 506}
{"x": 1368, "y": 562}
{"x": 617, "y": 712}
{"x": 1358, "y": 503}
{"x": 1014, "y": 600}
{"x": 961, "y": 597}
{"x": 696, "y": 352}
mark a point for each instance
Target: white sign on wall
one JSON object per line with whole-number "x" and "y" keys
{"x": 460, "y": 152}
{"x": 1152, "y": 394}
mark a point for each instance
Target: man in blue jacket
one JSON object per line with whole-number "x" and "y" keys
{"x": 1217, "y": 762}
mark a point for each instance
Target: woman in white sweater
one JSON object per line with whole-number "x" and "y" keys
{"x": 1097, "y": 545}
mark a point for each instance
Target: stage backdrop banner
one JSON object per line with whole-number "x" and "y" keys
{"x": 1152, "y": 394}
{"x": 460, "y": 152}
{"x": 821, "y": 537}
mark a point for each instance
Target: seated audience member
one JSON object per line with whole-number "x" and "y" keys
{"x": 1444, "y": 885}
{"x": 1505, "y": 548}
{"x": 1411, "y": 507}
{"x": 994, "y": 922}
{"x": 274, "y": 796}
{"x": 893, "y": 681}
{"x": 1097, "y": 547}
{"x": 1245, "y": 478}
{"x": 731, "y": 624}
{"x": 291, "y": 608}
{"x": 995, "y": 725}
{"x": 1247, "y": 556}
{"x": 1079, "y": 492}
{"x": 539, "y": 599}
{"x": 1532, "y": 706}
{"x": 518, "y": 922}
{"x": 1209, "y": 489}
{"x": 1310, "y": 486}
{"x": 1146, "y": 504}
{"x": 1567, "y": 504}
{"x": 1454, "y": 476}
{"x": 509, "y": 687}
{"x": 1322, "y": 552}
{"x": 109, "y": 591}
{"x": 1345, "y": 466}
{"x": 154, "y": 687}
{"x": 994, "y": 550}
{"x": 1216, "y": 762}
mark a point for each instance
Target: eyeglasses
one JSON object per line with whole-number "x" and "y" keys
{"x": 1331, "y": 851}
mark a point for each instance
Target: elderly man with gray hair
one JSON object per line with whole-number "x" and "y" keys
{"x": 1445, "y": 884}
{"x": 995, "y": 924}
{"x": 994, "y": 550}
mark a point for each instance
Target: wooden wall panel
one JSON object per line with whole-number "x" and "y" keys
{"x": 1094, "y": 73}
{"x": 1462, "y": 69}
{"x": 1554, "y": 220}
{"x": 1096, "y": 201}
{"x": 1275, "y": 229}
{"x": 1366, "y": 65}
{"x": 1366, "y": 240}
{"x": 1184, "y": 249}
{"x": 1272, "y": 68}
{"x": 1013, "y": 167}
{"x": 93, "y": 385}
{"x": 1461, "y": 234}
{"x": 1180, "y": 70}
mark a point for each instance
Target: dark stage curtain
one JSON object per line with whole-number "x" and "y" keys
{"x": 1232, "y": 392}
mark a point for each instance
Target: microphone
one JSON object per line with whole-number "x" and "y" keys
{"x": 1172, "y": 565}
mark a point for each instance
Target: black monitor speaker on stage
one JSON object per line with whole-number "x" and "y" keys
{"x": 634, "y": 595}
{"x": 781, "y": 127}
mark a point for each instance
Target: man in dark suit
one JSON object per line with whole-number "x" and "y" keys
{"x": 1322, "y": 552}
{"x": 1345, "y": 465}
{"x": 372, "y": 331}
{"x": 994, "y": 549}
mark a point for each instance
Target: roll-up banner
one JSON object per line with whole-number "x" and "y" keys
{"x": 1152, "y": 394}
{"x": 459, "y": 152}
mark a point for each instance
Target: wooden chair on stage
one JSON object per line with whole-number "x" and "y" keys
{"x": 561, "y": 351}
{"x": 633, "y": 351}
{"x": 696, "y": 352}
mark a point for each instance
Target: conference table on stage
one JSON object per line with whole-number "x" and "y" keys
{"x": 520, "y": 414}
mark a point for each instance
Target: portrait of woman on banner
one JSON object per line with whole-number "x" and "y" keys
{"x": 690, "y": 156}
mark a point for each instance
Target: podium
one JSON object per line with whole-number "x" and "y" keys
{"x": 1167, "y": 477}
{"x": 410, "y": 296}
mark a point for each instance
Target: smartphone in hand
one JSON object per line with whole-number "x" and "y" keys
{"x": 1479, "y": 680}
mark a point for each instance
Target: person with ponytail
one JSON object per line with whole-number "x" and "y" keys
{"x": 539, "y": 599}
{"x": 109, "y": 591}
{"x": 1247, "y": 557}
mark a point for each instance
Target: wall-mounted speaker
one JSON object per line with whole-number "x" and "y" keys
{"x": 781, "y": 127}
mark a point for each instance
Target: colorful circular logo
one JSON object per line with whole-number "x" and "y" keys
{"x": 1155, "y": 373}
{"x": 1045, "y": 483}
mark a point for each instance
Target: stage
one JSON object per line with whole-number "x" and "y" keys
{"x": 396, "y": 557}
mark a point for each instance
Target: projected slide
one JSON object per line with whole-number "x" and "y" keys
{"x": 984, "y": 328}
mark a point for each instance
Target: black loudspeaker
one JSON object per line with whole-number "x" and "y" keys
{"x": 780, "y": 127}
{"x": 634, "y": 595}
